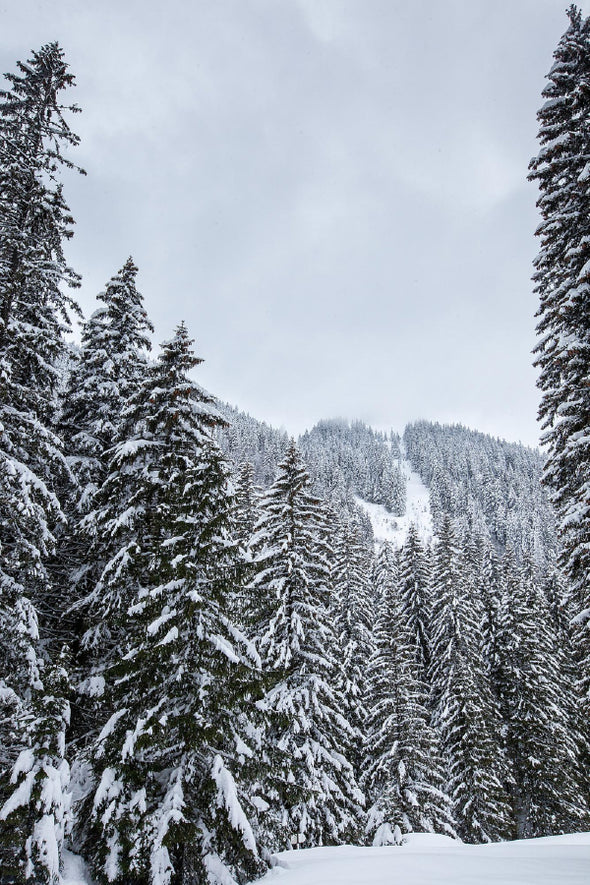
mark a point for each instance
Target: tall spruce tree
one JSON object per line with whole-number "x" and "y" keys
{"x": 414, "y": 577}
{"x": 170, "y": 805}
{"x": 486, "y": 585}
{"x": 536, "y": 702}
{"x": 562, "y": 283}
{"x": 247, "y": 510}
{"x": 246, "y": 513}
{"x": 313, "y": 790}
{"x": 465, "y": 711}
{"x": 38, "y": 809}
{"x": 35, "y": 221}
{"x": 109, "y": 369}
{"x": 354, "y": 611}
{"x": 404, "y": 776}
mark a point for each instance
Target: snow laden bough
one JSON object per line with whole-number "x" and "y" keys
{"x": 39, "y": 805}
{"x": 173, "y": 763}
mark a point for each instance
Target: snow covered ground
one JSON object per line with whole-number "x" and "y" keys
{"x": 423, "y": 860}
{"x": 437, "y": 860}
{"x": 395, "y": 528}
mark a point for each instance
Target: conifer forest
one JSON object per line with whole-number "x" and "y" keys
{"x": 218, "y": 641}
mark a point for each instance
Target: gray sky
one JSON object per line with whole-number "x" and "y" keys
{"x": 331, "y": 193}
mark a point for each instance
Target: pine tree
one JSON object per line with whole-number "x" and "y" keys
{"x": 170, "y": 806}
{"x": 353, "y": 610}
{"x": 35, "y": 221}
{"x": 385, "y": 568}
{"x": 312, "y": 790}
{"x": 414, "y": 578}
{"x": 246, "y": 513}
{"x": 247, "y": 510}
{"x": 562, "y": 280}
{"x": 404, "y": 776}
{"x": 465, "y": 712}
{"x": 486, "y": 586}
{"x": 535, "y": 697}
{"x": 38, "y": 808}
{"x": 109, "y": 369}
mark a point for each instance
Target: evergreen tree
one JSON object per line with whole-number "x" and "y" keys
{"x": 385, "y": 568}
{"x": 404, "y": 776}
{"x": 170, "y": 806}
{"x": 353, "y": 610}
{"x": 38, "y": 808}
{"x": 486, "y": 586}
{"x": 465, "y": 712}
{"x": 414, "y": 577}
{"x": 313, "y": 790}
{"x": 246, "y": 513}
{"x": 34, "y": 221}
{"x": 562, "y": 280}
{"x": 109, "y": 369}
{"x": 535, "y": 700}
{"x": 247, "y": 509}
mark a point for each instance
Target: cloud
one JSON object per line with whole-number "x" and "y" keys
{"x": 331, "y": 192}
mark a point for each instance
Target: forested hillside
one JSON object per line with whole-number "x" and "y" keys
{"x": 489, "y": 486}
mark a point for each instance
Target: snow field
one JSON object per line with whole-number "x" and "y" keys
{"x": 437, "y": 860}
{"x": 394, "y": 529}
{"x": 423, "y": 860}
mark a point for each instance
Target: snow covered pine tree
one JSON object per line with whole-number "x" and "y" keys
{"x": 34, "y": 221}
{"x": 171, "y": 805}
{"x": 354, "y": 620}
{"x": 109, "y": 369}
{"x": 562, "y": 282}
{"x": 535, "y": 697}
{"x": 312, "y": 787}
{"x": 105, "y": 372}
{"x": 404, "y": 775}
{"x": 465, "y": 711}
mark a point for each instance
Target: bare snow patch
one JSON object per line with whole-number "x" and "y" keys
{"x": 394, "y": 529}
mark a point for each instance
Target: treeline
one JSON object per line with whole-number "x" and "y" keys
{"x": 195, "y": 671}
{"x": 345, "y": 459}
{"x": 489, "y": 486}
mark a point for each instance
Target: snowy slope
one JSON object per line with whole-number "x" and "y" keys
{"x": 394, "y": 529}
{"x": 437, "y": 860}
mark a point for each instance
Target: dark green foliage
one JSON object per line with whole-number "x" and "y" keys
{"x": 465, "y": 711}
{"x": 34, "y": 222}
{"x": 535, "y": 698}
{"x": 313, "y": 789}
{"x": 403, "y": 775}
{"x": 562, "y": 283}
{"x": 169, "y": 801}
{"x": 37, "y": 810}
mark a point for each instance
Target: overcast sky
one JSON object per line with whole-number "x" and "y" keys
{"x": 331, "y": 193}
